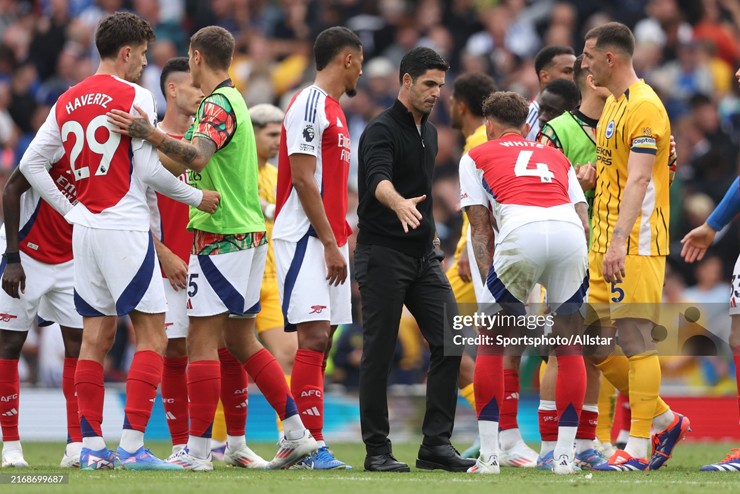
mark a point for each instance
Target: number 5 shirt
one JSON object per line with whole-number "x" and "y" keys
{"x": 111, "y": 170}
{"x": 521, "y": 182}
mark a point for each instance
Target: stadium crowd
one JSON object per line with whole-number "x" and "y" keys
{"x": 686, "y": 50}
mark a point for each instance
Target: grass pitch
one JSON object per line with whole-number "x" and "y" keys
{"x": 681, "y": 475}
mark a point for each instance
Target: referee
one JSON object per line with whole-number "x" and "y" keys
{"x": 396, "y": 264}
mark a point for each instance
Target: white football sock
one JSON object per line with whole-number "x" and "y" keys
{"x": 488, "y": 438}
{"x": 131, "y": 440}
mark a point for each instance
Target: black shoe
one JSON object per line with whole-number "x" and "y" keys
{"x": 384, "y": 463}
{"x": 443, "y": 457}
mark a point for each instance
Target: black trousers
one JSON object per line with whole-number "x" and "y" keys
{"x": 388, "y": 279}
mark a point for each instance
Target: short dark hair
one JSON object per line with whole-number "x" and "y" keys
{"x": 330, "y": 42}
{"x": 419, "y": 60}
{"x": 216, "y": 45}
{"x": 614, "y": 35}
{"x": 121, "y": 29}
{"x": 699, "y": 99}
{"x": 546, "y": 55}
{"x": 177, "y": 64}
{"x": 472, "y": 89}
{"x": 566, "y": 90}
{"x": 507, "y": 107}
{"x": 579, "y": 75}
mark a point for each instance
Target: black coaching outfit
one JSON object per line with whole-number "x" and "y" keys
{"x": 394, "y": 268}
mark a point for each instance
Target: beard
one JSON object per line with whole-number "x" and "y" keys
{"x": 351, "y": 92}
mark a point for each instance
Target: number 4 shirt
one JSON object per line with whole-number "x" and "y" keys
{"x": 111, "y": 170}
{"x": 521, "y": 182}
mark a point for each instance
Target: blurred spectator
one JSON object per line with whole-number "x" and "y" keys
{"x": 37, "y": 119}
{"x": 49, "y": 38}
{"x": 23, "y": 100}
{"x": 682, "y": 78}
{"x": 664, "y": 25}
{"x": 713, "y": 27}
{"x": 715, "y": 159}
{"x": 164, "y": 30}
{"x": 8, "y": 130}
{"x": 711, "y": 291}
{"x": 159, "y": 52}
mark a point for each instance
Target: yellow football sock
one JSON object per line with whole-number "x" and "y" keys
{"x": 469, "y": 394}
{"x": 606, "y": 403}
{"x": 218, "y": 432}
{"x": 644, "y": 387}
{"x": 616, "y": 370}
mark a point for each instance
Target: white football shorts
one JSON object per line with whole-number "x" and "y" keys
{"x": 305, "y": 295}
{"x": 226, "y": 283}
{"x": 116, "y": 272}
{"x": 49, "y": 296}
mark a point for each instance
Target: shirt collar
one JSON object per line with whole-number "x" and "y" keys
{"x": 401, "y": 111}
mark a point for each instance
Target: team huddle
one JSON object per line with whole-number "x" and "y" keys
{"x": 229, "y": 267}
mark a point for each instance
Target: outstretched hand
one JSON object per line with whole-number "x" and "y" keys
{"x": 408, "y": 215}
{"x": 696, "y": 243}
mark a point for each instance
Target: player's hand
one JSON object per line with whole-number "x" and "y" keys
{"x": 137, "y": 126}
{"x": 586, "y": 175}
{"x": 407, "y": 213}
{"x": 210, "y": 201}
{"x": 175, "y": 269}
{"x": 613, "y": 267}
{"x": 336, "y": 265}
{"x": 695, "y": 243}
{"x": 14, "y": 278}
{"x": 463, "y": 266}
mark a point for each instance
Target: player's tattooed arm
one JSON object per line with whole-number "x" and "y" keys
{"x": 481, "y": 237}
{"x": 194, "y": 156}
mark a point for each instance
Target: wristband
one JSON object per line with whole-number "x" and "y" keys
{"x": 12, "y": 257}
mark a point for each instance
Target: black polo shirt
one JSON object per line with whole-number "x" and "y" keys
{"x": 392, "y": 148}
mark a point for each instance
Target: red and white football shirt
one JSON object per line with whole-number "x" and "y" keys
{"x": 44, "y": 234}
{"x": 521, "y": 181}
{"x": 110, "y": 169}
{"x": 314, "y": 125}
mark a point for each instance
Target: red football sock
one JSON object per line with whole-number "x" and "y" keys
{"x": 269, "y": 378}
{"x": 623, "y": 402}
{"x": 74, "y": 435}
{"x": 204, "y": 382}
{"x": 143, "y": 380}
{"x": 175, "y": 398}
{"x": 234, "y": 393}
{"x": 10, "y": 385}
{"x": 510, "y": 404}
{"x": 548, "y": 424}
{"x": 548, "y": 420}
{"x": 488, "y": 385}
{"x": 736, "y": 357}
{"x": 570, "y": 388}
{"x": 307, "y": 385}
{"x": 90, "y": 387}
{"x": 587, "y": 425}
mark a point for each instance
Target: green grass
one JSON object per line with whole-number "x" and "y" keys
{"x": 681, "y": 475}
